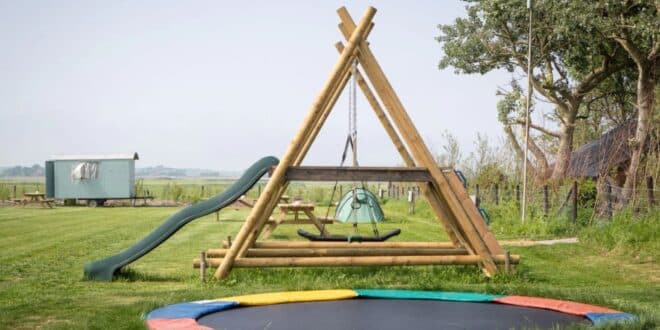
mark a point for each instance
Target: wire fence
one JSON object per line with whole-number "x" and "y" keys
{"x": 586, "y": 199}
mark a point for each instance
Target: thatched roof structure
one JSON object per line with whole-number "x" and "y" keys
{"x": 599, "y": 156}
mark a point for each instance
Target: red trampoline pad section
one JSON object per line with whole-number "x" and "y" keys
{"x": 555, "y": 305}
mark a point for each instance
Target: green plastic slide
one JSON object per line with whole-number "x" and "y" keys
{"x": 104, "y": 269}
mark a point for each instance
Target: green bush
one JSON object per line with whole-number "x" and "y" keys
{"x": 5, "y": 193}
{"x": 627, "y": 233}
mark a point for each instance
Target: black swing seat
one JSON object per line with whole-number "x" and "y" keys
{"x": 351, "y": 238}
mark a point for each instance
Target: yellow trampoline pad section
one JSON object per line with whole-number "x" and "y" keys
{"x": 290, "y": 297}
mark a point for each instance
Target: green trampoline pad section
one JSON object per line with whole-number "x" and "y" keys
{"x": 427, "y": 295}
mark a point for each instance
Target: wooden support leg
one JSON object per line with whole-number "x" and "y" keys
{"x": 419, "y": 151}
{"x": 316, "y": 222}
{"x": 277, "y": 178}
{"x": 273, "y": 225}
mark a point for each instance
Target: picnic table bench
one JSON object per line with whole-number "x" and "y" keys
{"x": 36, "y": 198}
{"x": 296, "y": 209}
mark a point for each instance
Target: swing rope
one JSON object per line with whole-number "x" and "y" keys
{"x": 351, "y": 142}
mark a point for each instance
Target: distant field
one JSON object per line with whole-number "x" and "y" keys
{"x": 44, "y": 251}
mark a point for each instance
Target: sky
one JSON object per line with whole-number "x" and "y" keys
{"x": 219, "y": 84}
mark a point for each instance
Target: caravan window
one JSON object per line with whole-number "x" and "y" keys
{"x": 85, "y": 171}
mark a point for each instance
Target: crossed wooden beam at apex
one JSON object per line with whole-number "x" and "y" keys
{"x": 471, "y": 240}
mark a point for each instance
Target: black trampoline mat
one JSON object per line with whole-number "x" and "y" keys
{"x": 382, "y": 314}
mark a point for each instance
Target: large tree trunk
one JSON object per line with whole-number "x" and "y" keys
{"x": 645, "y": 108}
{"x": 541, "y": 160}
{"x": 563, "y": 158}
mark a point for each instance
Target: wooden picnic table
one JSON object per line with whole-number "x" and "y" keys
{"x": 37, "y": 198}
{"x": 295, "y": 209}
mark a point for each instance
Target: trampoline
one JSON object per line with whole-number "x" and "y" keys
{"x": 380, "y": 309}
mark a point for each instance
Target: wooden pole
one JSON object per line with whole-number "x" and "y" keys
{"x": 609, "y": 202}
{"x": 496, "y": 198}
{"x": 363, "y": 261}
{"x": 574, "y": 209}
{"x": 546, "y": 200}
{"x": 649, "y": 190}
{"x": 276, "y": 179}
{"x": 353, "y": 245}
{"x": 477, "y": 198}
{"x": 202, "y": 266}
{"x": 518, "y": 193}
{"x": 339, "y": 252}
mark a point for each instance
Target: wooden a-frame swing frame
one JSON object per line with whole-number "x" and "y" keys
{"x": 471, "y": 240}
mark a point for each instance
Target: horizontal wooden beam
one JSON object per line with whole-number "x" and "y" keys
{"x": 362, "y": 261}
{"x": 363, "y": 245}
{"x": 337, "y": 173}
{"x": 334, "y": 252}
{"x": 287, "y": 222}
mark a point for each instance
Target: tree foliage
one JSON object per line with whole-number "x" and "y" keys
{"x": 586, "y": 58}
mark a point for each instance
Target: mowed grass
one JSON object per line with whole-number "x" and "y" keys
{"x": 44, "y": 251}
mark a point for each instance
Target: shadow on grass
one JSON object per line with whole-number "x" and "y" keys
{"x": 130, "y": 275}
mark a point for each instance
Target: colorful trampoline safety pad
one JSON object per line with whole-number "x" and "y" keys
{"x": 185, "y": 315}
{"x": 429, "y": 295}
{"x": 291, "y": 296}
{"x": 604, "y": 318}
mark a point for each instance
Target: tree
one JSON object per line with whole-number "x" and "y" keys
{"x": 451, "y": 151}
{"x": 511, "y": 111}
{"x": 636, "y": 27}
{"x": 568, "y": 59}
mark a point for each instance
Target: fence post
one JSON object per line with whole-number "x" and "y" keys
{"x": 15, "y": 192}
{"x": 546, "y": 201}
{"x": 477, "y": 199}
{"x": 575, "y": 202}
{"x": 649, "y": 189}
{"x": 411, "y": 201}
{"x": 497, "y": 194}
{"x": 202, "y": 266}
{"x": 202, "y": 190}
{"x": 609, "y": 202}
{"x": 518, "y": 193}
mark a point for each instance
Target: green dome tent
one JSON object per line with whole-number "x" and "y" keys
{"x": 364, "y": 208}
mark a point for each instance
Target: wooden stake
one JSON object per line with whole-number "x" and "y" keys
{"x": 649, "y": 190}
{"x": 609, "y": 202}
{"x": 202, "y": 266}
{"x": 575, "y": 203}
{"x": 546, "y": 200}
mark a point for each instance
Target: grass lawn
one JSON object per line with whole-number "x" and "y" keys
{"x": 44, "y": 251}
